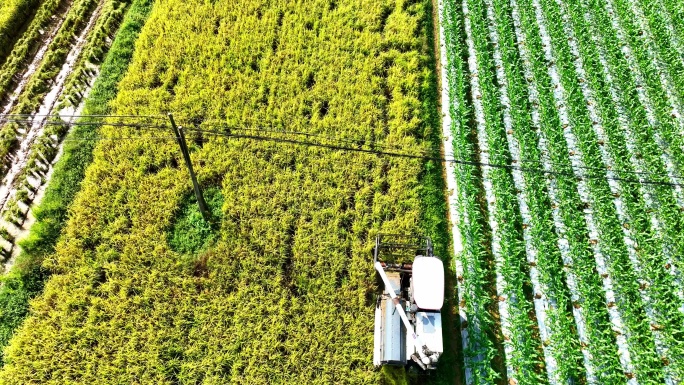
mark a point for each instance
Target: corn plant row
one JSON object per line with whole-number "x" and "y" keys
{"x": 540, "y": 117}
{"x": 540, "y": 269}
{"x": 629, "y": 206}
{"x": 590, "y": 311}
{"x": 576, "y": 154}
{"x": 662, "y": 23}
{"x": 471, "y": 270}
{"x": 622, "y": 297}
{"x": 663, "y": 127}
{"x": 649, "y": 108}
{"x": 665, "y": 58}
{"x": 660, "y": 211}
{"x": 650, "y": 290}
{"x": 669, "y": 124}
{"x": 451, "y": 81}
{"x": 663, "y": 283}
{"x": 675, "y": 9}
{"x": 521, "y": 345}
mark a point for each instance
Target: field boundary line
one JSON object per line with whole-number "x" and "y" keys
{"x": 453, "y": 188}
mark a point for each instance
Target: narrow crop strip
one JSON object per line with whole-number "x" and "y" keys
{"x": 34, "y": 41}
{"x": 474, "y": 300}
{"x": 522, "y": 349}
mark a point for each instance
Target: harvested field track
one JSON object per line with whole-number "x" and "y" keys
{"x": 582, "y": 100}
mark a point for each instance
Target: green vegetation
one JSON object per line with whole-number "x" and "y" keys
{"x": 14, "y": 15}
{"x": 285, "y": 294}
{"x": 190, "y": 233}
{"x": 27, "y": 277}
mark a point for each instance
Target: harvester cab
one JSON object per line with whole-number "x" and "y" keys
{"x": 408, "y": 322}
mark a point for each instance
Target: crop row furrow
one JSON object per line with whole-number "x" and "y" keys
{"x": 521, "y": 342}
{"x": 471, "y": 273}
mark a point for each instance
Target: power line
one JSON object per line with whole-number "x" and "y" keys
{"x": 342, "y": 144}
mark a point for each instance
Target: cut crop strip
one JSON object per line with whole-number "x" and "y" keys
{"x": 589, "y": 308}
{"x": 48, "y": 17}
{"x": 14, "y": 14}
{"x": 33, "y": 163}
{"x": 629, "y": 206}
{"x": 521, "y": 347}
{"x": 561, "y": 347}
{"x": 474, "y": 300}
{"x": 39, "y": 85}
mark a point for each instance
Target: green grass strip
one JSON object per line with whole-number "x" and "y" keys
{"x": 26, "y": 278}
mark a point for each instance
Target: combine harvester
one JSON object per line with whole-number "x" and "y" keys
{"x": 408, "y": 322}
